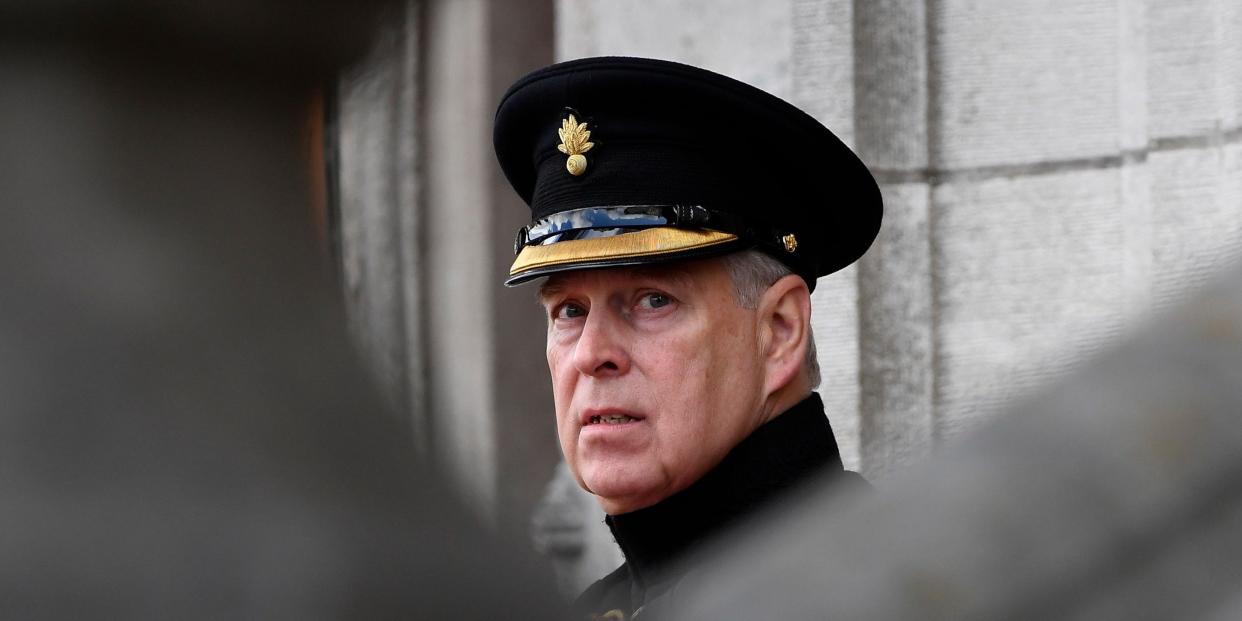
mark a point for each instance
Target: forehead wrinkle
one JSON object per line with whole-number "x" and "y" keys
{"x": 679, "y": 273}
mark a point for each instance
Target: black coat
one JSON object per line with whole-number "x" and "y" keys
{"x": 790, "y": 449}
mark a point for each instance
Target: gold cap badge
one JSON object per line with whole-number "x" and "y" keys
{"x": 574, "y": 142}
{"x": 791, "y": 242}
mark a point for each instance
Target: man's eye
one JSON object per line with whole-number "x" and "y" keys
{"x": 655, "y": 300}
{"x": 569, "y": 311}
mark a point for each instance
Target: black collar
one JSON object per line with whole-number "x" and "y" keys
{"x": 778, "y": 455}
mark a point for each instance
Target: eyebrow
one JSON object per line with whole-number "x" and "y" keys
{"x": 548, "y": 288}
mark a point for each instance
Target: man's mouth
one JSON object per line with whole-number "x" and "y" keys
{"x": 609, "y": 416}
{"x": 610, "y": 419}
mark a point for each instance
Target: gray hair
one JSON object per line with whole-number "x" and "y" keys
{"x": 752, "y": 273}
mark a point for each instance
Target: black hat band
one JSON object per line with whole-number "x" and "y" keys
{"x": 593, "y": 222}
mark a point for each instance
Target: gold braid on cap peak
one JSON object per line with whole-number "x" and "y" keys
{"x": 645, "y": 243}
{"x": 574, "y": 142}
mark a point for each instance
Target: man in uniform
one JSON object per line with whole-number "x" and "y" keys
{"x": 680, "y": 220}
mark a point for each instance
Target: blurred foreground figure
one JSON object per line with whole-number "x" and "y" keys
{"x": 681, "y": 219}
{"x": 183, "y": 430}
{"x": 1114, "y": 496}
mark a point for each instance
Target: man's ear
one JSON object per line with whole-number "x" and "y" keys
{"x": 784, "y": 312}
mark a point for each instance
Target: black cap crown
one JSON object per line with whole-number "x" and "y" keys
{"x": 627, "y": 161}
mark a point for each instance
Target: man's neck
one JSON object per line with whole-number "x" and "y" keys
{"x": 787, "y": 396}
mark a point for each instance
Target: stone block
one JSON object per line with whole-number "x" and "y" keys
{"x": 822, "y": 63}
{"x": 892, "y": 84}
{"x": 895, "y": 335}
{"x": 1134, "y": 202}
{"x": 1132, "y": 70}
{"x": 1196, "y": 217}
{"x": 1028, "y": 277}
{"x": 1230, "y": 71}
{"x": 747, "y": 40}
{"x": 1185, "y": 93}
{"x": 1020, "y": 82}
{"x": 834, "y": 318}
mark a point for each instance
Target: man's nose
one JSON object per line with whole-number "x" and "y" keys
{"x": 600, "y": 351}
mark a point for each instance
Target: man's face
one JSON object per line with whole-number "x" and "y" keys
{"x": 656, "y": 374}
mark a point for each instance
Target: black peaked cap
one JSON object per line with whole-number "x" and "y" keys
{"x": 714, "y": 164}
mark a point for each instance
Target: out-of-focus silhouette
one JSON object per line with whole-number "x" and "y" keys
{"x": 184, "y": 432}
